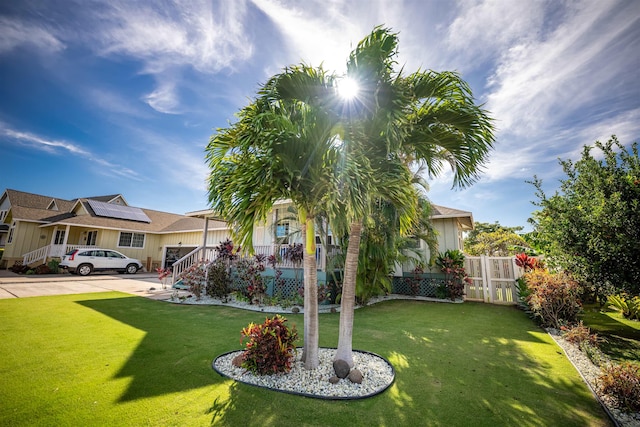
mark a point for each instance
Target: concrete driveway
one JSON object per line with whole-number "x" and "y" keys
{"x": 20, "y": 286}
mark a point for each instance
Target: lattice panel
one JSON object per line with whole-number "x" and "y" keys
{"x": 286, "y": 288}
{"x": 426, "y": 288}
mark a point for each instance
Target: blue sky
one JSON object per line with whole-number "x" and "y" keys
{"x": 104, "y": 97}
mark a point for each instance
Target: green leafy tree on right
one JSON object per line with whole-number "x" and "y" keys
{"x": 591, "y": 226}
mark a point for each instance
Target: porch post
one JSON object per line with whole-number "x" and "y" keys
{"x": 66, "y": 239}
{"x": 53, "y": 236}
{"x": 204, "y": 233}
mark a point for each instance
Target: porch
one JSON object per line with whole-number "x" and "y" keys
{"x": 41, "y": 255}
{"x": 209, "y": 254}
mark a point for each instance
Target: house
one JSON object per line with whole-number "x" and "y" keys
{"x": 282, "y": 228}
{"x": 35, "y": 229}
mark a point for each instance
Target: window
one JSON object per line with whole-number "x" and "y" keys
{"x": 131, "y": 240}
{"x": 91, "y": 237}
{"x": 3, "y": 215}
{"x": 11, "y": 230}
{"x": 59, "y": 239}
{"x": 112, "y": 254}
{"x": 414, "y": 243}
{"x": 282, "y": 232}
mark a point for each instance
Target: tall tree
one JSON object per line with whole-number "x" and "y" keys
{"x": 496, "y": 240}
{"x": 426, "y": 118}
{"x": 591, "y": 226}
{"x": 278, "y": 149}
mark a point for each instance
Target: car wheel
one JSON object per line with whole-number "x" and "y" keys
{"x": 84, "y": 269}
{"x": 132, "y": 269}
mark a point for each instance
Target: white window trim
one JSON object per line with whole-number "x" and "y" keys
{"x": 144, "y": 240}
{"x": 12, "y": 231}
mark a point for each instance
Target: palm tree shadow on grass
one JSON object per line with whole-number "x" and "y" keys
{"x": 178, "y": 346}
{"x": 453, "y": 367}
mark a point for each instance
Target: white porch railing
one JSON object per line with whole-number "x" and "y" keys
{"x": 41, "y": 254}
{"x": 196, "y": 255}
{"x": 211, "y": 254}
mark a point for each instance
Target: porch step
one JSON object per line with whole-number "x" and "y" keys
{"x": 180, "y": 285}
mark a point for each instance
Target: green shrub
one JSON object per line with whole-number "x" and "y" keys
{"x": 628, "y": 306}
{"x": 578, "y": 334}
{"x": 250, "y": 278}
{"x": 218, "y": 279}
{"x": 53, "y": 266}
{"x": 554, "y": 299}
{"x": 622, "y": 382}
{"x": 193, "y": 277}
{"x": 589, "y": 343}
{"x": 451, "y": 263}
{"x": 271, "y": 346}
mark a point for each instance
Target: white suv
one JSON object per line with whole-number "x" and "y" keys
{"x": 85, "y": 260}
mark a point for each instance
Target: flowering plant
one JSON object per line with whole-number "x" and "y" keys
{"x": 451, "y": 263}
{"x": 163, "y": 274}
{"x": 525, "y": 261}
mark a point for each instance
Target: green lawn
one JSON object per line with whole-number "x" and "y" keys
{"x": 114, "y": 359}
{"x": 619, "y": 337}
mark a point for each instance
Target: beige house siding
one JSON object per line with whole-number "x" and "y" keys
{"x": 26, "y": 236}
{"x": 39, "y": 217}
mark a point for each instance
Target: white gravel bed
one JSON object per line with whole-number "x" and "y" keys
{"x": 182, "y": 297}
{"x": 377, "y": 375}
{"x": 590, "y": 372}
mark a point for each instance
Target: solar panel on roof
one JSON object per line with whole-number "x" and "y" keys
{"x": 110, "y": 210}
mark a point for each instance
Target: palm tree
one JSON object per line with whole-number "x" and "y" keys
{"x": 278, "y": 149}
{"x": 424, "y": 119}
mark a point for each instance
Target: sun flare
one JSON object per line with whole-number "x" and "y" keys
{"x": 348, "y": 88}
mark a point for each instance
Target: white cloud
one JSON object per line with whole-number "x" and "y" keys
{"x": 321, "y": 31}
{"x": 17, "y": 33}
{"x": 53, "y": 146}
{"x": 113, "y": 102}
{"x": 539, "y": 82}
{"x": 200, "y": 34}
{"x": 40, "y": 143}
{"x": 486, "y": 27}
{"x": 164, "y": 98}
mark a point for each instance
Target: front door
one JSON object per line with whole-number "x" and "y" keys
{"x": 91, "y": 238}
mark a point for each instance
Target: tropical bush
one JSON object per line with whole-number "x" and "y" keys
{"x": 588, "y": 343}
{"x": 451, "y": 263}
{"x": 218, "y": 279}
{"x": 577, "y": 334}
{"x": 554, "y": 298}
{"x": 622, "y": 382}
{"x": 271, "y": 346}
{"x": 54, "y": 266}
{"x": 628, "y": 306}
{"x": 194, "y": 277}
{"x": 591, "y": 226}
{"x": 250, "y": 277}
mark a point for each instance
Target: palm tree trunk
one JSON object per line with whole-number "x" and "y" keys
{"x": 311, "y": 335}
{"x": 348, "y": 299}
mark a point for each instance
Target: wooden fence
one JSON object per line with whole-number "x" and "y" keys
{"x": 493, "y": 279}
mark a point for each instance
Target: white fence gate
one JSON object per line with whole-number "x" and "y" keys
{"x": 493, "y": 279}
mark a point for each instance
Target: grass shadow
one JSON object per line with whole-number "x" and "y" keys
{"x": 619, "y": 340}
{"x": 469, "y": 364}
{"x": 177, "y": 346}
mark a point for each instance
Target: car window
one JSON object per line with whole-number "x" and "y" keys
{"x": 86, "y": 253}
{"x": 98, "y": 253}
{"x": 112, "y": 254}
